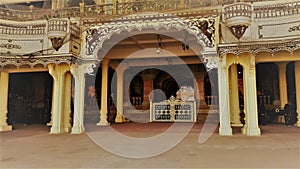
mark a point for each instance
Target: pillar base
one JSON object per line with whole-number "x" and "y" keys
{"x": 251, "y": 131}
{"x": 77, "y": 130}
{"x": 103, "y": 123}
{"x": 225, "y": 131}
{"x": 6, "y": 128}
{"x": 297, "y": 124}
{"x": 55, "y": 130}
{"x": 67, "y": 129}
{"x": 237, "y": 125}
{"x": 119, "y": 118}
{"x": 49, "y": 124}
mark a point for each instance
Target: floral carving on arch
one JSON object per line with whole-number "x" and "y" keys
{"x": 96, "y": 37}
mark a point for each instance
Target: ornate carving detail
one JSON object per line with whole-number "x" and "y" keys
{"x": 238, "y": 30}
{"x": 36, "y": 61}
{"x": 10, "y": 46}
{"x": 290, "y": 46}
{"x": 211, "y": 61}
{"x": 207, "y": 27}
{"x": 104, "y": 32}
{"x": 57, "y": 42}
{"x": 294, "y": 28}
{"x": 89, "y": 68}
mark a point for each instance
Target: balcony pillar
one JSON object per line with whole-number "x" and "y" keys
{"x": 4, "y": 81}
{"x": 225, "y": 128}
{"x": 120, "y": 93}
{"x": 78, "y": 74}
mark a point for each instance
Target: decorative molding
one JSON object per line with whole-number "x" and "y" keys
{"x": 257, "y": 47}
{"x": 277, "y": 30}
{"x": 294, "y": 28}
{"x": 10, "y": 46}
{"x": 19, "y": 61}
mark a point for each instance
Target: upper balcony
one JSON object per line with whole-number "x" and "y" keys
{"x": 124, "y": 7}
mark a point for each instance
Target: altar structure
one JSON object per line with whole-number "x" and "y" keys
{"x": 66, "y": 63}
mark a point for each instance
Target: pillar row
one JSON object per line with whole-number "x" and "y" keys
{"x": 4, "y": 81}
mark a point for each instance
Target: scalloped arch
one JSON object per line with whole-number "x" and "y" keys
{"x": 104, "y": 32}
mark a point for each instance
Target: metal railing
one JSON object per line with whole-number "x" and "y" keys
{"x": 173, "y": 110}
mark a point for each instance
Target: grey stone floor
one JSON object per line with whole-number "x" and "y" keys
{"x": 32, "y": 147}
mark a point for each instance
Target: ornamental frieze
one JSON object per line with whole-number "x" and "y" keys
{"x": 255, "y": 48}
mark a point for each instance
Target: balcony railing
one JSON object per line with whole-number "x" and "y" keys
{"x": 271, "y": 9}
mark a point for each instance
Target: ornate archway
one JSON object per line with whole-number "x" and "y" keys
{"x": 201, "y": 29}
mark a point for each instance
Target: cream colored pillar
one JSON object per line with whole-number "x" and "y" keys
{"x": 282, "y": 84}
{"x": 78, "y": 74}
{"x": 234, "y": 97}
{"x": 120, "y": 93}
{"x": 297, "y": 81}
{"x": 58, "y": 74}
{"x": 67, "y": 102}
{"x": 225, "y": 128}
{"x": 4, "y": 81}
{"x": 251, "y": 127}
{"x": 54, "y": 4}
{"x": 103, "y": 110}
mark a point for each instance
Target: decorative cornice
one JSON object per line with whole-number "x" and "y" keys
{"x": 19, "y": 61}
{"x": 256, "y": 47}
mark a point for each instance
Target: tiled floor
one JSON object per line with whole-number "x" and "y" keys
{"x": 32, "y": 147}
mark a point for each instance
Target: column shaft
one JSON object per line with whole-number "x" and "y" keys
{"x": 234, "y": 97}
{"x": 282, "y": 84}
{"x": 67, "y": 102}
{"x": 4, "y": 81}
{"x": 297, "y": 81}
{"x": 251, "y": 127}
{"x": 103, "y": 110}
{"x": 120, "y": 93}
{"x": 225, "y": 128}
{"x": 78, "y": 73}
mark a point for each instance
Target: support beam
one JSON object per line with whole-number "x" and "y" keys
{"x": 4, "y": 81}
{"x": 103, "y": 110}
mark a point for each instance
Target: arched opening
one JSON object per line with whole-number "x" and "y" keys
{"x": 136, "y": 91}
{"x": 30, "y": 98}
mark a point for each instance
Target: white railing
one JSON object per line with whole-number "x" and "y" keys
{"x": 173, "y": 110}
